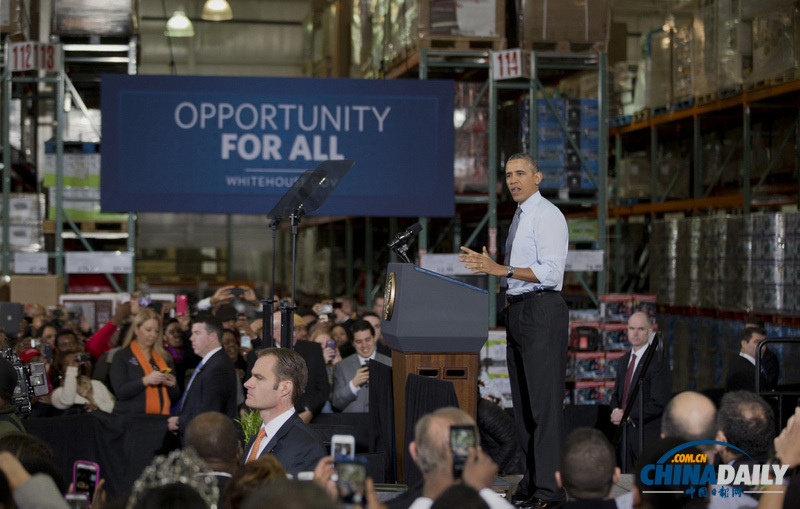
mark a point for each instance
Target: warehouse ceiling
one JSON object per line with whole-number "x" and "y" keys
{"x": 265, "y": 38}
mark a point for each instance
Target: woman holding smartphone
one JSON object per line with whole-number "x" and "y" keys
{"x": 142, "y": 371}
{"x": 76, "y": 387}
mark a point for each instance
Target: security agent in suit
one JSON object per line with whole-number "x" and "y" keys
{"x": 318, "y": 388}
{"x": 351, "y": 375}
{"x": 742, "y": 367}
{"x": 278, "y": 379}
{"x": 213, "y": 386}
{"x": 655, "y": 391}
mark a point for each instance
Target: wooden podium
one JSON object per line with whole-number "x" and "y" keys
{"x": 435, "y": 326}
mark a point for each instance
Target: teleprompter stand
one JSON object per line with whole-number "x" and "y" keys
{"x": 435, "y": 327}
{"x": 307, "y": 195}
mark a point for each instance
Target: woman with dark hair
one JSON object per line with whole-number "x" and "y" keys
{"x": 344, "y": 340}
{"x": 249, "y": 478}
{"x": 173, "y": 340}
{"x": 142, "y": 371}
{"x": 76, "y": 386}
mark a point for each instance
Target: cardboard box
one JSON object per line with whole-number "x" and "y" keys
{"x": 578, "y": 21}
{"x": 42, "y": 290}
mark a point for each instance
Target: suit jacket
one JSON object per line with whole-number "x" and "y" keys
{"x": 343, "y": 372}
{"x": 318, "y": 388}
{"x": 295, "y": 445}
{"x": 126, "y": 379}
{"x": 655, "y": 392}
{"x": 742, "y": 376}
{"x": 212, "y": 390}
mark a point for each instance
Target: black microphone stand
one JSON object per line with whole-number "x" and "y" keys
{"x": 268, "y": 305}
{"x": 622, "y": 431}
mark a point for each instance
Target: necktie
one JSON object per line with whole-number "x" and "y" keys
{"x": 183, "y": 398}
{"x": 628, "y": 377}
{"x": 512, "y": 232}
{"x": 262, "y": 434}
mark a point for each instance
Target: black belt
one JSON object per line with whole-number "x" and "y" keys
{"x": 512, "y": 299}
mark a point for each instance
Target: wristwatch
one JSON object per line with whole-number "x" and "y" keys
{"x": 510, "y": 270}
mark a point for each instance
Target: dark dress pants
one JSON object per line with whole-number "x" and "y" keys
{"x": 538, "y": 332}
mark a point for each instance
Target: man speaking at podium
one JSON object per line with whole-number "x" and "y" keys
{"x": 537, "y": 324}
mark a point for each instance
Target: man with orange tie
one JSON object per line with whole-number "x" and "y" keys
{"x": 278, "y": 378}
{"x": 655, "y": 392}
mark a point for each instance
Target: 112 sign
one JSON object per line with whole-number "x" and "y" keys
{"x": 511, "y": 63}
{"x": 32, "y": 56}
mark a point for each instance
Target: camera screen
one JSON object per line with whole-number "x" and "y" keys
{"x": 351, "y": 481}
{"x": 85, "y": 478}
{"x": 461, "y": 439}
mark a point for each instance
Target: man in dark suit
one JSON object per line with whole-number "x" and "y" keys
{"x": 213, "y": 436}
{"x": 587, "y": 470}
{"x": 655, "y": 391}
{"x": 213, "y": 385}
{"x": 742, "y": 367}
{"x": 318, "y": 389}
{"x": 279, "y": 377}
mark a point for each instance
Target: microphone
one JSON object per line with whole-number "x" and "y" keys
{"x": 406, "y": 236}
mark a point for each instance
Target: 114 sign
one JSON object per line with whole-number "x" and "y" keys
{"x": 511, "y": 63}
{"x": 34, "y": 56}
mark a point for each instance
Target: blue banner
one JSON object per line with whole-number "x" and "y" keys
{"x": 236, "y": 145}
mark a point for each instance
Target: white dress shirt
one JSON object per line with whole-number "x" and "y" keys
{"x": 272, "y": 428}
{"x": 540, "y": 244}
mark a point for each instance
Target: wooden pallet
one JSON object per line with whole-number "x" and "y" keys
{"x": 785, "y": 77}
{"x": 461, "y": 42}
{"x": 620, "y": 120}
{"x": 706, "y": 98}
{"x": 683, "y": 104}
{"x": 661, "y": 110}
{"x": 642, "y": 115}
{"x": 559, "y": 46}
{"x": 49, "y": 226}
{"x": 723, "y": 93}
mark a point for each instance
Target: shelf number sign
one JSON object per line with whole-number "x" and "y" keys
{"x": 34, "y": 56}
{"x": 511, "y": 63}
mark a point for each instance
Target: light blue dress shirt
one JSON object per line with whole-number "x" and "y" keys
{"x": 540, "y": 244}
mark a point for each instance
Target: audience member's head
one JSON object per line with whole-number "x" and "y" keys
{"x": 588, "y": 467}
{"x": 173, "y": 334}
{"x": 230, "y": 343}
{"x": 226, "y": 314}
{"x": 690, "y": 416}
{"x": 669, "y": 496}
{"x": 178, "y": 467}
{"x": 753, "y": 321}
{"x": 146, "y": 323}
{"x": 300, "y": 331}
{"x": 24, "y": 446}
{"x": 461, "y": 496}
{"x": 47, "y": 333}
{"x": 8, "y": 381}
{"x": 250, "y": 477}
{"x": 341, "y": 335}
{"x": 430, "y": 449}
{"x": 213, "y": 436}
{"x": 375, "y": 321}
{"x": 279, "y": 378}
{"x": 750, "y": 338}
{"x": 171, "y": 496}
{"x": 289, "y": 495}
{"x": 364, "y": 338}
{"x": 745, "y": 421}
{"x": 66, "y": 341}
{"x": 308, "y": 315}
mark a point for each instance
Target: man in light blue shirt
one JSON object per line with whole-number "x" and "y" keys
{"x": 537, "y": 325}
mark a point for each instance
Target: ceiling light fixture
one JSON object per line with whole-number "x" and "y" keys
{"x": 179, "y": 26}
{"x": 216, "y": 10}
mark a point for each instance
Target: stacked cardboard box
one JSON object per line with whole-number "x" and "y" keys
{"x": 574, "y": 21}
{"x": 25, "y": 213}
{"x": 472, "y": 139}
{"x": 558, "y": 160}
{"x": 776, "y": 42}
